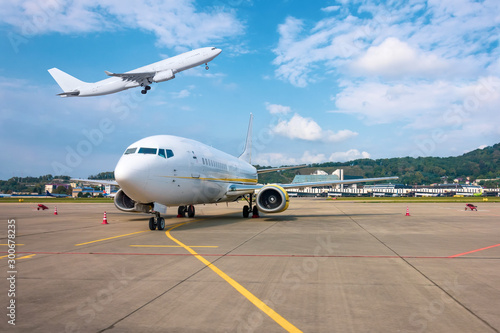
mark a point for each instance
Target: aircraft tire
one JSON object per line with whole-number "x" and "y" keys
{"x": 147, "y": 88}
{"x": 255, "y": 211}
{"x": 191, "y": 211}
{"x": 161, "y": 223}
{"x": 246, "y": 211}
{"x": 152, "y": 224}
{"x": 181, "y": 211}
{"x": 144, "y": 91}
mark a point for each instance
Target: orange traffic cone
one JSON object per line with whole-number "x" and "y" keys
{"x": 407, "y": 211}
{"x": 55, "y": 211}
{"x": 104, "y": 219}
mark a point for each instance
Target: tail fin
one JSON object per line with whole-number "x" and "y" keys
{"x": 247, "y": 153}
{"x": 67, "y": 82}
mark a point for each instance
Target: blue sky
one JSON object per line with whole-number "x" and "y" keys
{"x": 326, "y": 80}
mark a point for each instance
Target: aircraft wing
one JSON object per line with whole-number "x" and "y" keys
{"x": 242, "y": 187}
{"x": 138, "y": 77}
{"x": 335, "y": 182}
{"x": 96, "y": 181}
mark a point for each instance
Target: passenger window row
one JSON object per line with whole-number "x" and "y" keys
{"x": 214, "y": 164}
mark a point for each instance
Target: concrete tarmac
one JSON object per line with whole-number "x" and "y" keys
{"x": 321, "y": 266}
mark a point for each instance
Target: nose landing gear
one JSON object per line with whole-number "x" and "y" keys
{"x": 157, "y": 222}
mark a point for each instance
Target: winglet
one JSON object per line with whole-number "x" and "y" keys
{"x": 247, "y": 153}
{"x": 109, "y": 73}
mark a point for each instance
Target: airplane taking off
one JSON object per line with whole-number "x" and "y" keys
{"x": 164, "y": 171}
{"x": 160, "y": 71}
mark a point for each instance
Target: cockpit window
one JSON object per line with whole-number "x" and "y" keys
{"x": 147, "y": 151}
{"x": 165, "y": 153}
{"x": 213, "y": 48}
{"x": 130, "y": 151}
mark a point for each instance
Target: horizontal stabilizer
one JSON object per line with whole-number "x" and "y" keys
{"x": 95, "y": 181}
{"x": 281, "y": 168}
{"x": 70, "y": 93}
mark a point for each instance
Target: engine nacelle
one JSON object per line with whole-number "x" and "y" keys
{"x": 164, "y": 76}
{"x": 272, "y": 199}
{"x": 125, "y": 203}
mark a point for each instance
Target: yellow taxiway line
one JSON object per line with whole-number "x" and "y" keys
{"x": 100, "y": 240}
{"x": 242, "y": 290}
{"x": 23, "y": 257}
{"x": 27, "y": 257}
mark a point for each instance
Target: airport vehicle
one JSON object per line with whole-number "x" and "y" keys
{"x": 160, "y": 71}
{"x": 164, "y": 171}
{"x": 109, "y": 195}
{"x": 42, "y": 207}
{"x": 471, "y": 207}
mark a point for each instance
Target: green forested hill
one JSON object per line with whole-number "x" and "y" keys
{"x": 480, "y": 163}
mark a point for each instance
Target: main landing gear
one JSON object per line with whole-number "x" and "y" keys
{"x": 157, "y": 222}
{"x": 182, "y": 210}
{"x": 248, "y": 209}
{"x": 145, "y": 90}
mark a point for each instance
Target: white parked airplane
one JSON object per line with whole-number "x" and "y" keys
{"x": 160, "y": 71}
{"x": 164, "y": 171}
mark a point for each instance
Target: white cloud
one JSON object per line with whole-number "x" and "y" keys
{"x": 439, "y": 38}
{"x": 307, "y": 129}
{"x": 277, "y": 109}
{"x": 422, "y": 105}
{"x": 175, "y": 23}
{"x": 395, "y": 58}
{"x": 330, "y": 8}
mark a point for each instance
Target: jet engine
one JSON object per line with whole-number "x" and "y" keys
{"x": 125, "y": 203}
{"x": 164, "y": 76}
{"x": 272, "y": 199}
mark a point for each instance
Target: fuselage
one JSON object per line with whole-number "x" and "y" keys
{"x": 177, "y": 64}
{"x": 175, "y": 171}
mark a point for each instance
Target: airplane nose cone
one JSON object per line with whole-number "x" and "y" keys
{"x": 132, "y": 176}
{"x": 218, "y": 51}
